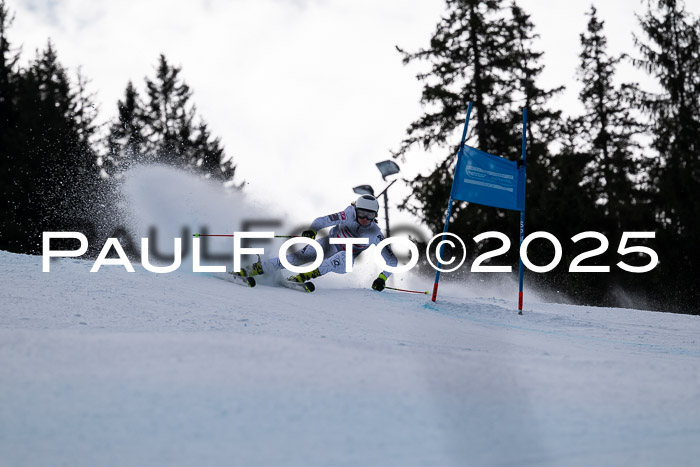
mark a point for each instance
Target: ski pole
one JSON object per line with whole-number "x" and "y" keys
{"x": 408, "y": 291}
{"x": 224, "y": 235}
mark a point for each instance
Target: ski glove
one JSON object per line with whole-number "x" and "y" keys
{"x": 309, "y": 234}
{"x": 379, "y": 283}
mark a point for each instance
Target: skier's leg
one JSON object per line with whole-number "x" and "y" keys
{"x": 298, "y": 258}
{"x": 334, "y": 263}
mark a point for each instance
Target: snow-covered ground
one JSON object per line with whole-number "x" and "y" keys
{"x": 140, "y": 369}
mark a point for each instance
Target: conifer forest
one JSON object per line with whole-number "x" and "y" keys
{"x": 630, "y": 161}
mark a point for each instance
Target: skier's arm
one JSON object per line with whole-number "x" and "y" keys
{"x": 331, "y": 219}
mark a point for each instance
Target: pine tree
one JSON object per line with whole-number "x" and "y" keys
{"x": 481, "y": 51}
{"x": 544, "y": 123}
{"x": 8, "y": 62}
{"x": 466, "y": 64}
{"x": 168, "y": 112}
{"x": 83, "y": 117}
{"x": 211, "y": 157}
{"x": 671, "y": 54}
{"x": 673, "y": 57}
{"x": 126, "y": 142}
{"x": 64, "y": 126}
{"x": 608, "y": 129}
{"x": 593, "y": 188}
{"x": 53, "y": 164}
{"x": 165, "y": 129}
{"x": 11, "y": 176}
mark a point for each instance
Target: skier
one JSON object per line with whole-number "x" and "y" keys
{"x": 357, "y": 221}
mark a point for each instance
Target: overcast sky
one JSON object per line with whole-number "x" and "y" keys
{"x": 306, "y": 94}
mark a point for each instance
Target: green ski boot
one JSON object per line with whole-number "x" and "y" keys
{"x": 305, "y": 276}
{"x": 254, "y": 269}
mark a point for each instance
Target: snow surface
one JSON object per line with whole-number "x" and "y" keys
{"x": 142, "y": 369}
{"x": 117, "y": 368}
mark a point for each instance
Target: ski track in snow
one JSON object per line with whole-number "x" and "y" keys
{"x": 115, "y": 368}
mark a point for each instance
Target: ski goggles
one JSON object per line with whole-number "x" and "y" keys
{"x": 365, "y": 214}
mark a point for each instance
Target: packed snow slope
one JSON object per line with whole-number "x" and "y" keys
{"x": 140, "y": 369}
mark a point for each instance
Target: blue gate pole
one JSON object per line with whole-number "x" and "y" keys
{"x": 449, "y": 205}
{"x": 522, "y": 214}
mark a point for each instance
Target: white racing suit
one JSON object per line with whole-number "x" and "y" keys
{"x": 345, "y": 225}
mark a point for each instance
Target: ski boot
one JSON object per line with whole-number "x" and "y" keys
{"x": 254, "y": 269}
{"x": 305, "y": 276}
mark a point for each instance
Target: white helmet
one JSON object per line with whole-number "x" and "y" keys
{"x": 366, "y": 206}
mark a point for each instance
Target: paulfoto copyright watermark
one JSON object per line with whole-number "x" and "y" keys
{"x": 436, "y": 245}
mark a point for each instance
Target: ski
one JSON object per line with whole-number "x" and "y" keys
{"x": 301, "y": 286}
{"x": 235, "y": 278}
